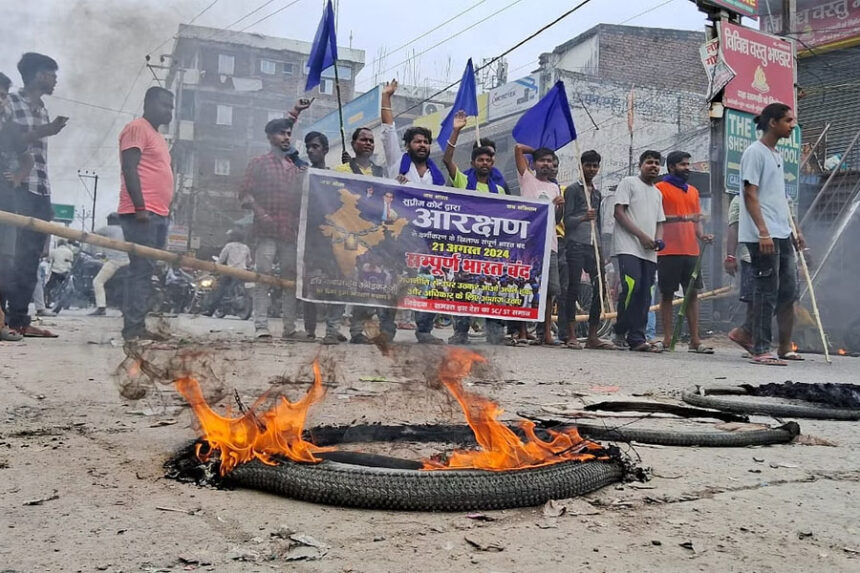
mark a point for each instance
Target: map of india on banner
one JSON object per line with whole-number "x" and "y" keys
{"x": 372, "y": 241}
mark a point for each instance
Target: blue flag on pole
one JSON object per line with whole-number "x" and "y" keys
{"x": 467, "y": 100}
{"x": 324, "y": 51}
{"x": 548, "y": 123}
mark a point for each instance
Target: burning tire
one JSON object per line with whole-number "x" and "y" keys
{"x": 708, "y": 397}
{"x": 335, "y": 483}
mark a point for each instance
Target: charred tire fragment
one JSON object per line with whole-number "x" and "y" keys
{"x": 335, "y": 483}
{"x": 707, "y": 397}
{"x": 462, "y": 435}
{"x": 719, "y": 439}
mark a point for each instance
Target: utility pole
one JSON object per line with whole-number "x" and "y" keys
{"x": 95, "y": 177}
{"x": 716, "y": 149}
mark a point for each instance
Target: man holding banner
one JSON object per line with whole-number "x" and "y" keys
{"x": 479, "y": 179}
{"x": 414, "y": 166}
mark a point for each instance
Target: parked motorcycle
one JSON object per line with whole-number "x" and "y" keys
{"x": 236, "y": 301}
{"x": 77, "y": 290}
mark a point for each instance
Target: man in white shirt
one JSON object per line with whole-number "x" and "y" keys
{"x": 638, "y": 236}
{"x": 414, "y": 166}
{"x": 764, "y": 226}
{"x": 235, "y": 254}
{"x": 61, "y": 258}
{"x": 114, "y": 260}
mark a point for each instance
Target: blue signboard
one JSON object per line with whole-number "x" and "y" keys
{"x": 361, "y": 111}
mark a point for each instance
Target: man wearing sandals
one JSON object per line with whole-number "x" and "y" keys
{"x": 683, "y": 230}
{"x": 765, "y": 228}
{"x": 638, "y": 236}
{"x": 579, "y": 250}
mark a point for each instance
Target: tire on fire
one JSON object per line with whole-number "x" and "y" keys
{"x": 335, "y": 483}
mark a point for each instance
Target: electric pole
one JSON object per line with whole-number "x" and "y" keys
{"x": 95, "y": 177}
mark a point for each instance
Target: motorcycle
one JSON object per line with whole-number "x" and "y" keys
{"x": 77, "y": 290}
{"x": 235, "y": 301}
{"x": 180, "y": 290}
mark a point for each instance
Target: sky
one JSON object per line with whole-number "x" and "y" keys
{"x": 100, "y": 46}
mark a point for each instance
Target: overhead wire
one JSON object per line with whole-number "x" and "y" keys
{"x": 449, "y": 38}
{"x": 427, "y": 33}
{"x": 500, "y": 56}
{"x": 264, "y": 18}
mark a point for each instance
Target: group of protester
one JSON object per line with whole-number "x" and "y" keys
{"x": 658, "y": 223}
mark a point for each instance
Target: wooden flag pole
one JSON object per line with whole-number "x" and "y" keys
{"x": 139, "y": 250}
{"x": 594, "y": 235}
{"x": 811, "y": 293}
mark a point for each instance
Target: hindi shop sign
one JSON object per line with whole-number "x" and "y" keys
{"x": 719, "y": 74}
{"x": 740, "y": 134}
{"x": 763, "y": 66}
{"x": 821, "y": 25}
{"x": 374, "y": 242}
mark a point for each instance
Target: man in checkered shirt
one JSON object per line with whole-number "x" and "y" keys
{"x": 26, "y": 110}
{"x": 272, "y": 190}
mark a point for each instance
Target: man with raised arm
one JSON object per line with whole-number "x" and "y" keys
{"x": 413, "y": 166}
{"x": 541, "y": 184}
{"x": 479, "y": 179}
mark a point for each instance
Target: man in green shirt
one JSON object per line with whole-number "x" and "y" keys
{"x": 479, "y": 179}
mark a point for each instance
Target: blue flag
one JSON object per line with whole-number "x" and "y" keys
{"x": 467, "y": 100}
{"x": 548, "y": 123}
{"x": 324, "y": 51}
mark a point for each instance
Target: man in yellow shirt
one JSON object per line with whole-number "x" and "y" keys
{"x": 479, "y": 180}
{"x": 363, "y": 146}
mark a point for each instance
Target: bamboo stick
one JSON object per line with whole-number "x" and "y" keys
{"x": 139, "y": 250}
{"x": 811, "y": 293}
{"x": 716, "y": 293}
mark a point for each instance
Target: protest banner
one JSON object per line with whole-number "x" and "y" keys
{"x": 375, "y": 242}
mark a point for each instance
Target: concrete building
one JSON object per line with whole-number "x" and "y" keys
{"x": 228, "y": 85}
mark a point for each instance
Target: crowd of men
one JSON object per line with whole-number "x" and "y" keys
{"x": 658, "y": 231}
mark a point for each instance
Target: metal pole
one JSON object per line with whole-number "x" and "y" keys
{"x": 833, "y": 173}
{"x": 339, "y": 107}
{"x": 95, "y": 194}
{"x": 814, "y": 146}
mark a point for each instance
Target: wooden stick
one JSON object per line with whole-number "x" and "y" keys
{"x": 716, "y": 293}
{"x": 594, "y": 234}
{"x": 139, "y": 250}
{"x": 811, "y": 293}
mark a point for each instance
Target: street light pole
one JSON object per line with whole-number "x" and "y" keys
{"x": 95, "y": 177}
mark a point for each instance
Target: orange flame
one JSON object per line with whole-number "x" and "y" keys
{"x": 842, "y": 352}
{"x": 278, "y": 431}
{"x": 794, "y": 346}
{"x": 134, "y": 369}
{"x": 501, "y": 448}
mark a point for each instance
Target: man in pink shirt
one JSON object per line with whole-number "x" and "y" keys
{"x": 144, "y": 202}
{"x": 541, "y": 184}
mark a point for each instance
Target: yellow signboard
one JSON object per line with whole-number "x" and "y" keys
{"x": 433, "y": 120}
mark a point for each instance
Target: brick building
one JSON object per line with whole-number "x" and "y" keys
{"x": 228, "y": 85}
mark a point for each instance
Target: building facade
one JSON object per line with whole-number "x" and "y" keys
{"x": 228, "y": 85}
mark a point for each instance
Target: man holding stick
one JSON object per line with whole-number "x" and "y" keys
{"x": 579, "y": 211}
{"x": 682, "y": 232}
{"x": 144, "y": 203}
{"x": 765, "y": 227}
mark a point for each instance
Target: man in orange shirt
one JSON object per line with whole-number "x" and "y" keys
{"x": 144, "y": 202}
{"x": 682, "y": 232}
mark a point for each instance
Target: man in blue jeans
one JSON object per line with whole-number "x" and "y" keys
{"x": 144, "y": 202}
{"x": 765, "y": 228}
